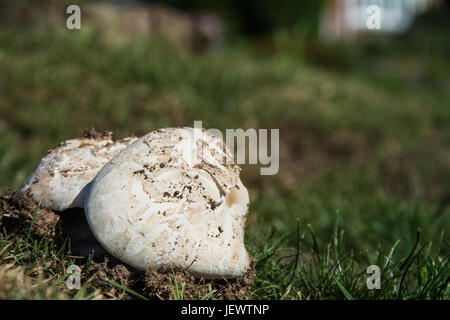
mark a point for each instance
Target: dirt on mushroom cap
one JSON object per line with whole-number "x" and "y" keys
{"x": 92, "y": 133}
{"x": 16, "y": 215}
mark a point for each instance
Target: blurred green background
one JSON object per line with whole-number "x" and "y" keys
{"x": 364, "y": 120}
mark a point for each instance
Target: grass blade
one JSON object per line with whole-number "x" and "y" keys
{"x": 32, "y": 222}
{"x": 134, "y": 293}
{"x": 344, "y": 291}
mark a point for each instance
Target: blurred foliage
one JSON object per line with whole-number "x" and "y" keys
{"x": 257, "y": 16}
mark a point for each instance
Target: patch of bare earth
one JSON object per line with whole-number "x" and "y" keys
{"x": 17, "y": 212}
{"x": 92, "y": 133}
{"x": 16, "y": 216}
{"x": 162, "y": 283}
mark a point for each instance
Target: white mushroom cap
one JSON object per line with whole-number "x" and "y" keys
{"x": 156, "y": 205}
{"x": 62, "y": 174}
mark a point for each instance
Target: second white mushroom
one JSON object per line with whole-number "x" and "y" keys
{"x": 59, "y": 178}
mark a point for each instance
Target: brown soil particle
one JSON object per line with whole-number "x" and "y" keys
{"x": 109, "y": 268}
{"x": 91, "y": 133}
{"x": 161, "y": 284}
{"x": 17, "y": 211}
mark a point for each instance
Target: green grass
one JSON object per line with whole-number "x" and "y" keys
{"x": 33, "y": 267}
{"x": 311, "y": 269}
{"x": 316, "y": 270}
{"x": 364, "y": 160}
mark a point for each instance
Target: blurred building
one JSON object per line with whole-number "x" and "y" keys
{"x": 345, "y": 19}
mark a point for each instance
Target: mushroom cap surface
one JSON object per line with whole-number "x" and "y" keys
{"x": 169, "y": 199}
{"x": 60, "y": 176}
